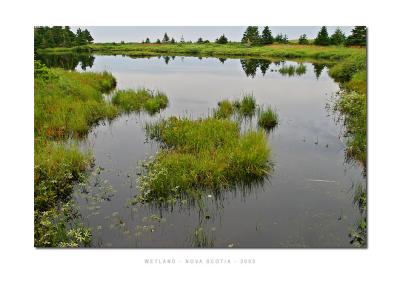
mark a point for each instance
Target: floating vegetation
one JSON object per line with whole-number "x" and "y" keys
{"x": 201, "y": 154}
{"x": 139, "y": 100}
{"x": 268, "y": 118}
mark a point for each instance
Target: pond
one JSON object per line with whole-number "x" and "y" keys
{"x": 306, "y": 202}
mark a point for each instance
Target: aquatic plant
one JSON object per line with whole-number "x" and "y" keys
{"x": 140, "y": 99}
{"x": 225, "y": 110}
{"x": 353, "y": 108}
{"x": 201, "y": 154}
{"x": 69, "y": 103}
{"x": 267, "y": 118}
{"x": 248, "y": 105}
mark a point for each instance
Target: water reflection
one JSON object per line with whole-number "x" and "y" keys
{"x": 250, "y": 66}
{"x": 68, "y": 61}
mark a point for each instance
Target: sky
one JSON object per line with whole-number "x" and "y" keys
{"x": 234, "y": 33}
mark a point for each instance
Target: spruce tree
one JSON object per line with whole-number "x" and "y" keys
{"x": 322, "y": 38}
{"x": 251, "y": 36}
{"x": 165, "y": 38}
{"x": 266, "y": 36}
{"x": 338, "y": 37}
{"x": 147, "y": 41}
{"x": 303, "y": 40}
{"x": 358, "y": 36}
{"x": 222, "y": 40}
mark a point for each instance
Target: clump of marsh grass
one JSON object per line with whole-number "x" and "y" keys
{"x": 353, "y": 108}
{"x": 268, "y": 118}
{"x": 140, "y": 99}
{"x": 69, "y": 103}
{"x": 201, "y": 154}
{"x": 225, "y": 110}
{"x": 248, "y": 105}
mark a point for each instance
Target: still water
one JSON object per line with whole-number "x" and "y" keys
{"x": 307, "y": 201}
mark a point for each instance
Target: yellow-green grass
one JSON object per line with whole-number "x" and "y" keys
{"x": 268, "y": 118}
{"x": 67, "y": 104}
{"x": 201, "y": 154}
{"x": 140, "y": 99}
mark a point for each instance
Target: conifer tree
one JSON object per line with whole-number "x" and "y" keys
{"x": 338, "y": 37}
{"x": 266, "y": 36}
{"x": 358, "y": 36}
{"x": 322, "y": 38}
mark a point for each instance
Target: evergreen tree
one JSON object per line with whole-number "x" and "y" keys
{"x": 338, "y": 37}
{"x": 251, "y": 36}
{"x": 200, "y": 41}
{"x": 147, "y": 41}
{"x": 358, "y": 36}
{"x": 173, "y": 41}
{"x": 282, "y": 39}
{"x": 158, "y": 41}
{"x": 303, "y": 40}
{"x": 266, "y": 36}
{"x": 322, "y": 38}
{"x": 222, "y": 40}
{"x": 80, "y": 38}
{"x": 165, "y": 38}
{"x": 182, "y": 40}
{"x": 87, "y": 36}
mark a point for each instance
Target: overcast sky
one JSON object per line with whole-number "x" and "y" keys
{"x": 138, "y": 34}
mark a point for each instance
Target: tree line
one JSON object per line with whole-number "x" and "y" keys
{"x": 59, "y": 36}
{"x": 252, "y": 37}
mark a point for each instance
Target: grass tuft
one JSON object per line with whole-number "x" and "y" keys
{"x": 267, "y": 119}
{"x": 202, "y": 154}
{"x": 141, "y": 99}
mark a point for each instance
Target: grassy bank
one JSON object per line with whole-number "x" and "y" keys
{"x": 67, "y": 104}
{"x": 289, "y": 51}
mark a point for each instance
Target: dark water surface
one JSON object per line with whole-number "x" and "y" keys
{"x": 307, "y": 202}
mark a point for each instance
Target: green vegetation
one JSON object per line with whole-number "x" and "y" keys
{"x": 266, "y": 36}
{"x": 281, "y": 39}
{"x": 247, "y": 106}
{"x": 303, "y": 40}
{"x": 338, "y": 37}
{"x": 202, "y": 154}
{"x": 141, "y": 99}
{"x": 353, "y": 107}
{"x": 358, "y": 36}
{"x": 322, "y": 38}
{"x": 66, "y": 105}
{"x": 222, "y": 40}
{"x": 267, "y": 119}
{"x": 225, "y": 110}
{"x": 58, "y": 36}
